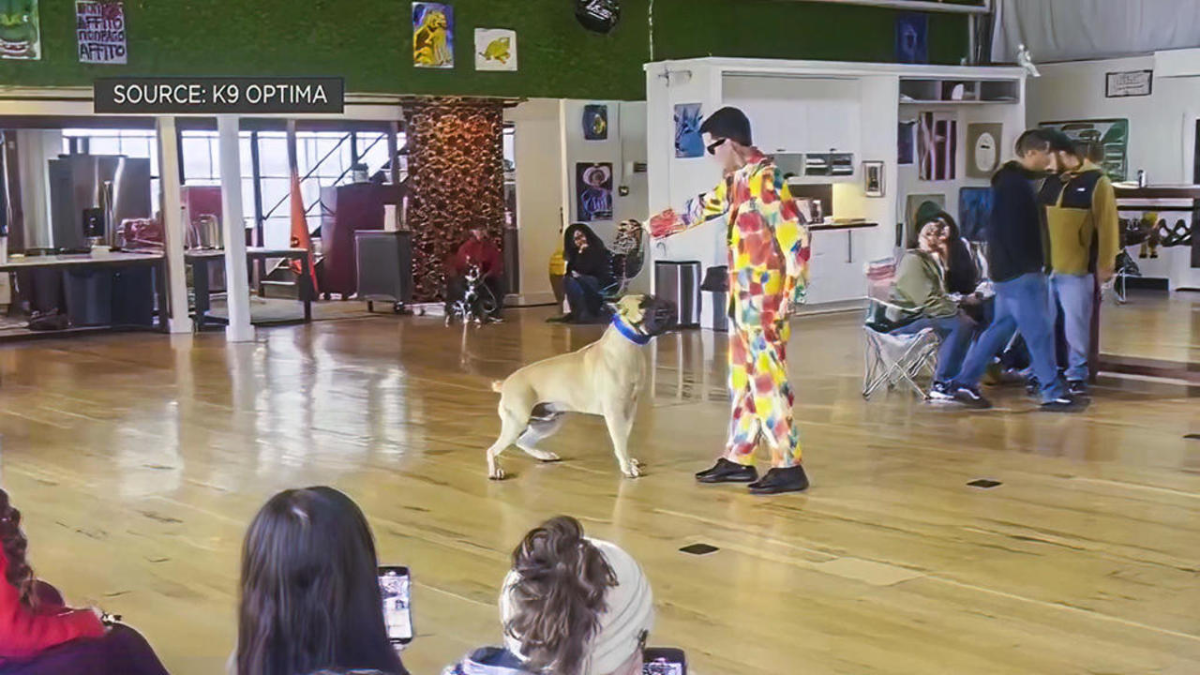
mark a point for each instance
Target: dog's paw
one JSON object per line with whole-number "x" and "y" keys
{"x": 634, "y": 470}
{"x": 497, "y": 474}
{"x": 549, "y": 458}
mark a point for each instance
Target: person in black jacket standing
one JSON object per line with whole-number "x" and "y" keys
{"x": 1017, "y": 260}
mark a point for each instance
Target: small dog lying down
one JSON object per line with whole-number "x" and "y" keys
{"x": 603, "y": 378}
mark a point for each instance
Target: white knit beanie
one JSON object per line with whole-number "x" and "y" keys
{"x": 629, "y": 612}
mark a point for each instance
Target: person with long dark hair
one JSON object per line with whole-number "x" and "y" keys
{"x": 310, "y": 595}
{"x": 571, "y": 605}
{"x": 40, "y": 635}
{"x": 589, "y": 272}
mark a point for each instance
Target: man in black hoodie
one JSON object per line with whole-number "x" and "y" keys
{"x": 1016, "y": 260}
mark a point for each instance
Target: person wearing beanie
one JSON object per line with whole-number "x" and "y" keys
{"x": 962, "y": 274}
{"x": 1082, "y": 227}
{"x": 571, "y": 605}
{"x": 768, "y": 276}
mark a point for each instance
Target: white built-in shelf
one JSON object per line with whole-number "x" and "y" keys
{"x": 914, "y": 91}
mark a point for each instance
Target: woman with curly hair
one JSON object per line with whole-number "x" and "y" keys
{"x": 39, "y": 635}
{"x": 571, "y": 605}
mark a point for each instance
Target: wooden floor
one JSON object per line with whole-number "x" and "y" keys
{"x": 138, "y": 460}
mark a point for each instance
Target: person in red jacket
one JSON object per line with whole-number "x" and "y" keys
{"x": 477, "y": 250}
{"x": 40, "y": 635}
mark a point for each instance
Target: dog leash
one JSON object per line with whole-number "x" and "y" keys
{"x": 628, "y": 331}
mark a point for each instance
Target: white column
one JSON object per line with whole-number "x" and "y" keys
{"x": 173, "y": 229}
{"x": 234, "y": 232}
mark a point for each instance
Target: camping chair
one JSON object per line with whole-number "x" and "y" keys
{"x": 893, "y": 359}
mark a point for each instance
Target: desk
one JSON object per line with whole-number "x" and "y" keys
{"x": 156, "y": 261}
{"x": 201, "y": 259}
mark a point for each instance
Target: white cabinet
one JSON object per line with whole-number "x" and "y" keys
{"x": 797, "y": 115}
{"x": 836, "y": 266}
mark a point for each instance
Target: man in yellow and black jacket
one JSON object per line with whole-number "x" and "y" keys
{"x": 1083, "y": 238}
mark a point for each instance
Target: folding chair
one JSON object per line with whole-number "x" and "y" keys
{"x": 893, "y": 359}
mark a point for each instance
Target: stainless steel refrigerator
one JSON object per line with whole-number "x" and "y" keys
{"x": 91, "y": 194}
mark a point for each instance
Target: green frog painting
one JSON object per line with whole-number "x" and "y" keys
{"x": 19, "y": 35}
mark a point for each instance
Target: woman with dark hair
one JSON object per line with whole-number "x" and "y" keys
{"x": 39, "y": 635}
{"x": 310, "y": 594}
{"x": 589, "y": 272}
{"x": 570, "y": 606}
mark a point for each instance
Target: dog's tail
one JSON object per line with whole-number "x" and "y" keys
{"x": 497, "y": 385}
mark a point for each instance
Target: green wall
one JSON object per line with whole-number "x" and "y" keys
{"x": 793, "y": 30}
{"x": 369, "y": 42}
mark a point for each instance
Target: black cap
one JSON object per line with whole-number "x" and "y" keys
{"x": 731, "y": 123}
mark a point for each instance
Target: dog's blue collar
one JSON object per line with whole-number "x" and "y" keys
{"x": 628, "y": 331}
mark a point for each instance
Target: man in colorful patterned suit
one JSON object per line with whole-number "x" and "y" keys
{"x": 768, "y": 273}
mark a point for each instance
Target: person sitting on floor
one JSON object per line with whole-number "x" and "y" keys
{"x": 589, "y": 272}
{"x": 310, "y": 596}
{"x": 570, "y": 606}
{"x": 40, "y": 635}
{"x": 477, "y": 251}
{"x": 922, "y": 302}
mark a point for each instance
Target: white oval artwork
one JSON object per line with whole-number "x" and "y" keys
{"x": 985, "y": 152}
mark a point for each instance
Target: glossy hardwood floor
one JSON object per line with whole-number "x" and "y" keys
{"x": 138, "y": 460}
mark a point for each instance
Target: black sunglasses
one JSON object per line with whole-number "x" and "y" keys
{"x": 712, "y": 147}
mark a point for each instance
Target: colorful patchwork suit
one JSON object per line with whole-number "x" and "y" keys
{"x": 768, "y": 274}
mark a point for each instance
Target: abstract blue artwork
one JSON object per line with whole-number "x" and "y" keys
{"x": 688, "y": 141}
{"x": 974, "y": 210}
{"x": 912, "y": 38}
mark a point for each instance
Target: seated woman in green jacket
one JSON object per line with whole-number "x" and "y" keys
{"x": 922, "y": 302}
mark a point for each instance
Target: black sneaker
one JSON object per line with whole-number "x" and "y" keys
{"x": 1032, "y": 386}
{"x": 971, "y": 397}
{"x": 725, "y": 471}
{"x": 1065, "y": 404}
{"x": 778, "y": 481}
{"x": 1077, "y": 388}
{"x": 941, "y": 392}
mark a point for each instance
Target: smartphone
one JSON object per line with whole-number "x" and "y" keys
{"x": 663, "y": 661}
{"x": 395, "y": 588}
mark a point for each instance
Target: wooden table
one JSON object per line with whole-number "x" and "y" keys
{"x": 201, "y": 259}
{"x": 156, "y": 261}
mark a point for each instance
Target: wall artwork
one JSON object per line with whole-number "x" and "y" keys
{"x": 1129, "y": 83}
{"x": 912, "y": 38}
{"x": 100, "y": 31}
{"x": 20, "y": 33}
{"x": 905, "y": 141}
{"x": 1106, "y": 141}
{"x": 937, "y": 145}
{"x": 594, "y": 191}
{"x": 689, "y": 143}
{"x": 495, "y": 49}
{"x": 873, "y": 179}
{"x": 974, "y": 210}
{"x": 433, "y": 35}
{"x": 595, "y": 122}
{"x": 983, "y": 149}
{"x": 907, "y": 236}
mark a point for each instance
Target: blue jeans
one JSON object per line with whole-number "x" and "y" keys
{"x": 1021, "y": 304}
{"x": 955, "y": 332}
{"x": 1073, "y": 296}
{"x": 583, "y": 295}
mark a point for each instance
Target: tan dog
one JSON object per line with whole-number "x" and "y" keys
{"x": 603, "y": 378}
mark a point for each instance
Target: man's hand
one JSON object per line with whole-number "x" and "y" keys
{"x": 1105, "y": 274}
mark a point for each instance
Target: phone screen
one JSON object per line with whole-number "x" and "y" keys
{"x": 661, "y": 661}
{"x": 394, "y": 586}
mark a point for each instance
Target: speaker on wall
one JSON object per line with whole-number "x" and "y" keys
{"x": 600, "y": 16}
